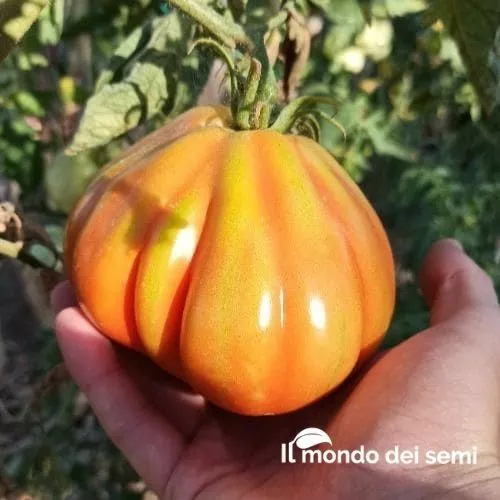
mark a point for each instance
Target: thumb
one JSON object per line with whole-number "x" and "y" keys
{"x": 452, "y": 282}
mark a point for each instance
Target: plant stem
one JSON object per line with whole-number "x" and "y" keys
{"x": 226, "y": 30}
{"x": 277, "y": 20}
{"x": 230, "y": 67}
{"x": 246, "y": 109}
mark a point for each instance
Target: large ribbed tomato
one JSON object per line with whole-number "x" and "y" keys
{"x": 246, "y": 263}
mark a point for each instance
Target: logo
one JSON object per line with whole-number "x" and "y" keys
{"x": 303, "y": 449}
{"x": 304, "y": 441}
{"x": 311, "y": 437}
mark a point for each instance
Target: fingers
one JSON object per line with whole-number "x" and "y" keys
{"x": 171, "y": 396}
{"x": 452, "y": 282}
{"x": 62, "y": 296}
{"x": 175, "y": 400}
{"x": 149, "y": 441}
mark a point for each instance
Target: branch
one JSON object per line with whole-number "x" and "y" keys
{"x": 226, "y": 30}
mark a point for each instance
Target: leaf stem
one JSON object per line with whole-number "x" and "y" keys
{"x": 227, "y": 31}
{"x": 230, "y": 67}
{"x": 301, "y": 106}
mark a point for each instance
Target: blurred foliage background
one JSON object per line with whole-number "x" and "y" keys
{"x": 416, "y": 96}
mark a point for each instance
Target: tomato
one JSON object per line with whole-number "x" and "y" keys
{"x": 246, "y": 263}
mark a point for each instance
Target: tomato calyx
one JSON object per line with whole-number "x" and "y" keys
{"x": 250, "y": 64}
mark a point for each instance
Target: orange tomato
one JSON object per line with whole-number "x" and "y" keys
{"x": 246, "y": 263}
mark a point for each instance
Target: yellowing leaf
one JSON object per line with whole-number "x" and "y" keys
{"x": 16, "y": 17}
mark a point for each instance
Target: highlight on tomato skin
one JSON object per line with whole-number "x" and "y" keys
{"x": 246, "y": 263}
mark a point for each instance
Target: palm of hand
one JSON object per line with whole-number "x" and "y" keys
{"x": 438, "y": 391}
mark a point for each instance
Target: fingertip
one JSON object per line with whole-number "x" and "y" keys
{"x": 65, "y": 320}
{"x": 71, "y": 321}
{"x": 450, "y": 242}
{"x": 80, "y": 343}
{"x": 443, "y": 255}
{"x": 443, "y": 249}
{"x": 62, "y": 296}
{"x": 451, "y": 281}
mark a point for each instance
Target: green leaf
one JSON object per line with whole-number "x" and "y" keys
{"x": 397, "y": 8}
{"x": 382, "y": 140}
{"x": 148, "y": 89}
{"x": 342, "y": 11}
{"x": 385, "y": 146}
{"x": 51, "y": 23}
{"x": 393, "y": 8}
{"x": 27, "y": 61}
{"x": 129, "y": 48}
{"x": 450, "y": 52}
{"x": 475, "y": 25}
{"x": 66, "y": 178}
{"x": 16, "y": 17}
{"x": 28, "y": 103}
{"x": 340, "y": 36}
{"x": 122, "y": 106}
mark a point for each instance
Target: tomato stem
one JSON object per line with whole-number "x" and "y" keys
{"x": 246, "y": 111}
{"x": 254, "y": 95}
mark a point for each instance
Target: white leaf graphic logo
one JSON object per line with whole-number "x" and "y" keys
{"x": 311, "y": 437}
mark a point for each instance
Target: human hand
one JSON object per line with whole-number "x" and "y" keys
{"x": 439, "y": 390}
